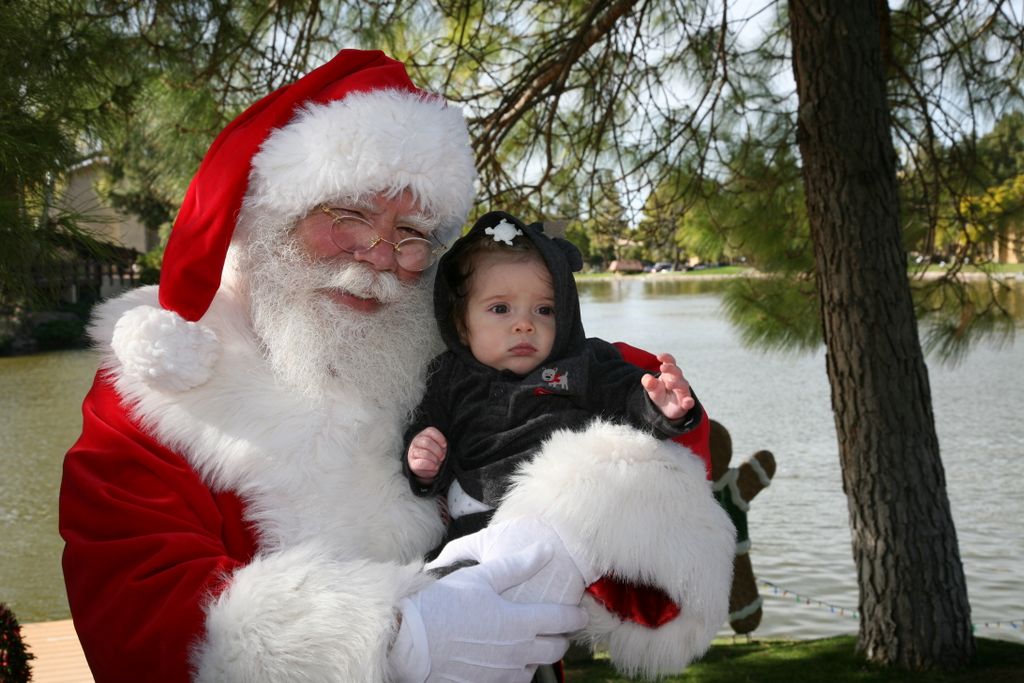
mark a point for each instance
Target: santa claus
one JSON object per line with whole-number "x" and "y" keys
{"x": 235, "y": 510}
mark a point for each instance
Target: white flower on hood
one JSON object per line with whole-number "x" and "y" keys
{"x": 504, "y": 232}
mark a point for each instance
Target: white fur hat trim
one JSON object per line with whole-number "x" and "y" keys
{"x": 164, "y": 350}
{"x": 378, "y": 141}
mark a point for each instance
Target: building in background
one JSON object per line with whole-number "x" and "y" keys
{"x": 86, "y": 275}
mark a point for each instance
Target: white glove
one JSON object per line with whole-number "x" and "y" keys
{"x": 460, "y": 629}
{"x": 561, "y": 581}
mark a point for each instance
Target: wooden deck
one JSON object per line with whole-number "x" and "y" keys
{"x": 59, "y": 657}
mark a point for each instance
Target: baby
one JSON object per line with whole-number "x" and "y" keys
{"x": 518, "y": 367}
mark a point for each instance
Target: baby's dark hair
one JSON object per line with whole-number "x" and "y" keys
{"x": 459, "y": 269}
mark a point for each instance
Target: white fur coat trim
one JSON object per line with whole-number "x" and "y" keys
{"x": 279, "y": 620}
{"x": 640, "y": 509}
{"x": 335, "y": 520}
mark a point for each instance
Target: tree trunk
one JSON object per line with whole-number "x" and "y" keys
{"x": 913, "y": 602}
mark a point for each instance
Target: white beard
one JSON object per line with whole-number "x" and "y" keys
{"x": 313, "y": 344}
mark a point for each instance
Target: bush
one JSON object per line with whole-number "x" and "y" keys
{"x": 59, "y": 334}
{"x": 14, "y": 656}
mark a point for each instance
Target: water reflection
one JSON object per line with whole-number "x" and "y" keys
{"x": 619, "y": 289}
{"x": 40, "y": 417}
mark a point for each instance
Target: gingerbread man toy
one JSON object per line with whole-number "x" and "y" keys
{"x": 734, "y": 488}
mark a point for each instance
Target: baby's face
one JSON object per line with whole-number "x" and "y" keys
{"x": 510, "y": 314}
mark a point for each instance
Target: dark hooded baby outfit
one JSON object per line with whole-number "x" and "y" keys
{"x": 493, "y": 419}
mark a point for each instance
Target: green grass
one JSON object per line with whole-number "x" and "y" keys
{"x": 989, "y": 267}
{"x": 716, "y": 270}
{"x": 830, "y": 660}
{"x": 1004, "y": 268}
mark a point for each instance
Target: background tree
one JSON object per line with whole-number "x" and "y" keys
{"x": 141, "y": 85}
{"x": 991, "y": 204}
{"x": 57, "y": 86}
{"x": 676, "y": 221}
{"x": 204, "y": 62}
{"x": 608, "y": 227}
{"x": 913, "y": 595}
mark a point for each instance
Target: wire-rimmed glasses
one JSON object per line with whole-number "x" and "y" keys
{"x": 353, "y": 233}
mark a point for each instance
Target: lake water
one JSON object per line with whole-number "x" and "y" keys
{"x": 798, "y": 526}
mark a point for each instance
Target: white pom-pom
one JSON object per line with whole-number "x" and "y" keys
{"x": 163, "y": 349}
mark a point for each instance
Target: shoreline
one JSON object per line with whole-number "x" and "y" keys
{"x": 968, "y": 276}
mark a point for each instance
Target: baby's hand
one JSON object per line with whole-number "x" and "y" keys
{"x": 426, "y": 453}
{"x": 670, "y": 392}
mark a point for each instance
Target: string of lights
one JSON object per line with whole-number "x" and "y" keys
{"x": 805, "y": 600}
{"x": 847, "y": 612}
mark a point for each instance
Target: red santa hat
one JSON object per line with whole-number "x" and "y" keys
{"x": 355, "y": 125}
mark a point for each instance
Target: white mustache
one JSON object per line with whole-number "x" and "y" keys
{"x": 363, "y": 282}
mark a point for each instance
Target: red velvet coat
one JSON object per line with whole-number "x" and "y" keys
{"x": 238, "y": 554}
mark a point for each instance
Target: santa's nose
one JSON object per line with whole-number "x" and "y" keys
{"x": 380, "y": 256}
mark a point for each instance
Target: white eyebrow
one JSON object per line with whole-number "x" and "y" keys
{"x": 357, "y": 205}
{"x": 419, "y": 220}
